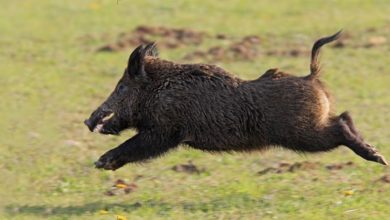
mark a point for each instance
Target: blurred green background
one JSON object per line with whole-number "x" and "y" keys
{"x": 51, "y": 78}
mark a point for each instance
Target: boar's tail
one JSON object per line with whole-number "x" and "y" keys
{"x": 314, "y": 64}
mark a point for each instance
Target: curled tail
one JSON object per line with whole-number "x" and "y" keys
{"x": 314, "y": 64}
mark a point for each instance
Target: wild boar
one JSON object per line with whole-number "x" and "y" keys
{"x": 207, "y": 108}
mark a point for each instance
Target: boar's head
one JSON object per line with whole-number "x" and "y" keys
{"x": 118, "y": 112}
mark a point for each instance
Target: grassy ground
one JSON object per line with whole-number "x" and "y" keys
{"x": 51, "y": 78}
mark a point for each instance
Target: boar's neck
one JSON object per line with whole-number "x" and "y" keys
{"x": 159, "y": 69}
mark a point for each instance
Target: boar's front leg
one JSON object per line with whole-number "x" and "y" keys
{"x": 141, "y": 147}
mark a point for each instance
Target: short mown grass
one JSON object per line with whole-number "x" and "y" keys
{"x": 51, "y": 78}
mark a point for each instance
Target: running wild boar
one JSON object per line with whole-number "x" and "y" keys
{"x": 207, "y": 108}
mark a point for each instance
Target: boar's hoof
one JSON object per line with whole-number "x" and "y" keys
{"x": 373, "y": 155}
{"x": 381, "y": 159}
{"x": 111, "y": 160}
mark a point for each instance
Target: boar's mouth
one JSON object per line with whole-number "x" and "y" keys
{"x": 98, "y": 123}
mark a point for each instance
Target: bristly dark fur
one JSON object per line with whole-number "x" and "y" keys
{"x": 207, "y": 108}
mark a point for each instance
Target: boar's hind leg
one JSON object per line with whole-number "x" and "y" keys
{"x": 347, "y": 119}
{"x": 141, "y": 147}
{"x": 353, "y": 139}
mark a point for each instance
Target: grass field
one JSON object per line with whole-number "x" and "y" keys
{"x": 51, "y": 78}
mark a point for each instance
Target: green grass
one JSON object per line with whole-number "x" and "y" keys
{"x": 51, "y": 79}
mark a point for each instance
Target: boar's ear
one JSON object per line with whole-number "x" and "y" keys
{"x": 151, "y": 50}
{"x": 136, "y": 64}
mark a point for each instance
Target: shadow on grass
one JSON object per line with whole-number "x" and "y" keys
{"x": 89, "y": 208}
{"x": 240, "y": 200}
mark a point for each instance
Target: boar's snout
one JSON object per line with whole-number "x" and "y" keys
{"x": 97, "y": 119}
{"x": 88, "y": 122}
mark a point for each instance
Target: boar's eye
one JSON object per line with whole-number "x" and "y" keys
{"x": 121, "y": 88}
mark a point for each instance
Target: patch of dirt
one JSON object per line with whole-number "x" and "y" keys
{"x": 371, "y": 30}
{"x": 72, "y": 143}
{"x": 384, "y": 179}
{"x": 344, "y": 40}
{"x": 355, "y": 41}
{"x": 189, "y": 168}
{"x": 232, "y": 49}
{"x": 287, "y": 167}
{"x": 305, "y": 165}
{"x": 246, "y": 48}
{"x": 375, "y": 41}
{"x": 296, "y": 52}
{"x": 167, "y": 38}
{"x": 339, "y": 166}
{"x": 121, "y": 187}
